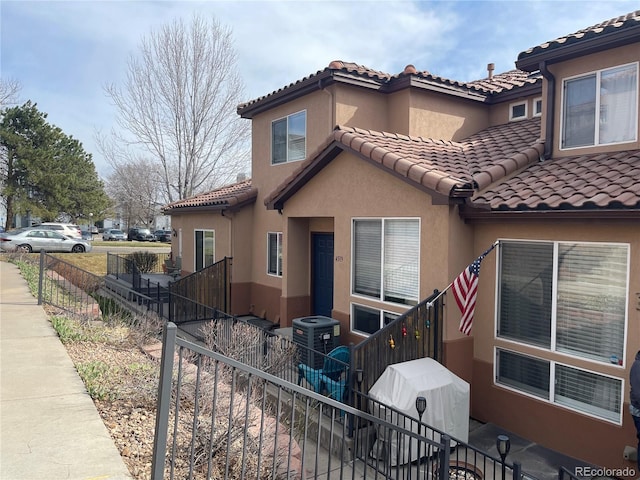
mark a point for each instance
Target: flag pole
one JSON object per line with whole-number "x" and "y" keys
{"x": 430, "y": 304}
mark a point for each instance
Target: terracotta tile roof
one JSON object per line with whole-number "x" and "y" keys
{"x": 497, "y": 84}
{"x": 506, "y": 81}
{"x": 604, "y": 29}
{"x": 442, "y": 167}
{"x": 606, "y": 180}
{"x": 222, "y": 198}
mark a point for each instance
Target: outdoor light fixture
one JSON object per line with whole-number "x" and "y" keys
{"x": 503, "y": 444}
{"x": 359, "y": 377}
{"x": 421, "y": 406}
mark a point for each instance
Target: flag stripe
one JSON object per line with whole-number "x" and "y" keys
{"x": 465, "y": 291}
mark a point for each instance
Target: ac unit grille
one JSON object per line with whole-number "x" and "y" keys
{"x": 315, "y": 334}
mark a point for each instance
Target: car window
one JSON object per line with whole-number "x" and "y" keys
{"x": 57, "y": 235}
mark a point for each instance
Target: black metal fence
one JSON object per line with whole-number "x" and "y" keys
{"x": 69, "y": 288}
{"x": 220, "y": 418}
{"x": 210, "y": 286}
{"x": 415, "y": 334}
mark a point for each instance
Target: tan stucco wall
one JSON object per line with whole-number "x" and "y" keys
{"x": 352, "y": 188}
{"x": 583, "y": 65}
{"x": 359, "y": 107}
{"x": 232, "y": 238}
{"x": 438, "y": 116}
{"x": 576, "y": 434}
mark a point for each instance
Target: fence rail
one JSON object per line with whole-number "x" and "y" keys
{"x": 415, "y": 334}
{"x": 220, "y": 418}
{"x": 210, "y": 286}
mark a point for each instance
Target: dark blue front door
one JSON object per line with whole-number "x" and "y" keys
{"x": 322, "y": 274}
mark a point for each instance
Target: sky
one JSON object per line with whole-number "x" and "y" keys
{"x": 64, "y": 53}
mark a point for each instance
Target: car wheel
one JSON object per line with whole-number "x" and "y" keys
{"x": 26, "y": 248}
{"x": 78, "y": 248}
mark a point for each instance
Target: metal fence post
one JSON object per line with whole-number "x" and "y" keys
{"x": 517, "y": 471}
{"x": 41, "y": 277}
{"x": 444, "y": 456}
{"x": 164, "y": 401}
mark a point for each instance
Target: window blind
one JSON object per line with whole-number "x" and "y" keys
{"x": 591, "y": 303}
{"x": 401, "y": 247}
{"x": 526, "y": 274}
{"x": 524, "y": 373}
{"x": 367, "y": 252}
{"x": 588, "y": 392}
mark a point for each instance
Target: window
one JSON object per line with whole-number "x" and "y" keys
{"x": 274, "y": 254}
{"x": 205, "y": 248}
{"x": 289, "y": 138}
{"x": 386, "y": 259}
{"x": 369, "y": 320}
{"x": 601, "y": 107}
{"x": 537, "y": 107}
{"x": 578, "y": 389}
{"x": 518, "y": 111}
{"x": 565, "y": 297}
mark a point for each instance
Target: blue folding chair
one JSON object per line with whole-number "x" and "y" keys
{"x": 328, "y": 380}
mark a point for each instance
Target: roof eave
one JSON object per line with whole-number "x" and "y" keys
{"x": 304, "y": 87}
{"x": 606, "y": 41}
{"x": 471, "y": 214}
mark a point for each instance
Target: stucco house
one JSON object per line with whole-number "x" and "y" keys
{"x": 370, "y": 190}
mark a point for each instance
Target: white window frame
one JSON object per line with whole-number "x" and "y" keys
{"x": 537, "y": 101}
{"x": 381, "y": 297}
{"x": 195, "y": 248}
{"x": 598, "y": 74}
{"x": 552, "y": 398}
{"x": 512, "y": 106}
{"x": 381, "y": 314}
{"x": 287, "y": 120}
{"x": 276, "y": 271}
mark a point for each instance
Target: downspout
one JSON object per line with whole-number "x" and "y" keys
{"x": 227, "y": 275}
{"x": 332, "y": 118}
{"x": 550, "y": 102}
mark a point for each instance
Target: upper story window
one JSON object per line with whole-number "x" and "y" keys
{"x": 600, "y": 108}
{"x": 518, "y": 111}
{"x": 289, "y": 138}
{"x": 386, "y": 259}
{"x": 537, "y": 107}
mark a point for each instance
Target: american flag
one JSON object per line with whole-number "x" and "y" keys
{"x": 465, "y": 290}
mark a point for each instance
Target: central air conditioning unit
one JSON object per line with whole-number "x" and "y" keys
{"x": 315, "y": 334}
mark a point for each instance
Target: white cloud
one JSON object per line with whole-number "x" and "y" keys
{"x": 63, "y": 52}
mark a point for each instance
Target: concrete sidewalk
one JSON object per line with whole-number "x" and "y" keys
{"x": 49, "y": 426}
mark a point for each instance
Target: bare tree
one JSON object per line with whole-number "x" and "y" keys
{"x": 135, "y": 187}
{"x": 178, "y": 103}
{"x": 9, "y": 90}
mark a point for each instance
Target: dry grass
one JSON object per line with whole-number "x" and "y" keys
{"x": 95, "y": 263}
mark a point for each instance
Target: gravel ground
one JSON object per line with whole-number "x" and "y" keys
{"x": 123, "y": 385}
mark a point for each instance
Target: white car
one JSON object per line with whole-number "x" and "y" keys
{"x": 35, "y": 239}
{"x": 113, "y": 234}
{"x": 68, "y": 229}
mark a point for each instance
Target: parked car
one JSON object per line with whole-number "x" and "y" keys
{"x": 86, "y": 235}
{"x": 35, "y": 239}
{"x": 162, "y": 235}
{"x": 140, "y": 234}
{"x": 113, "y": 234}
{"x": 68, "y": 229}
